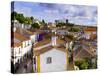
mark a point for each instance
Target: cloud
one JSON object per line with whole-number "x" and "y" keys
{"x": 48, "y": 5}
{"x": 51, "y": 11}
{"x": 82, "y": 14}
{"x": 25, "y": 10}
{"x": 75, "y": 13}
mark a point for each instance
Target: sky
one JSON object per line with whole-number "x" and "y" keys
{"x": 77, "y": 14}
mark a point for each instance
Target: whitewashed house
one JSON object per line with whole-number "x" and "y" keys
{"x": 21, "y": 47}
{"x": 89, "y": 31}
{"x": 26, "y": 33}
{"x": 17, "y": 24}
{"x": 36, "y": 21}
{"x": 50, "y": 57}
{"x": 62, "y": 32}
{"x": 31, "y": 35}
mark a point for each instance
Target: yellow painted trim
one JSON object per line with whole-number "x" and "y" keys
{"x": 67, "y": 59}
{"x": 38, "y": 64}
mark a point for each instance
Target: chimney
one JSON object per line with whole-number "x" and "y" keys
{"x": 54, "y": 40}
{"x": 14, "y": 29}
{"x": 54, "y": 37}
{"x": 21, "y": 27}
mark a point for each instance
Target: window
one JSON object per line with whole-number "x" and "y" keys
{"x": 34, "y": 60}
{"x": 21, "y": 45}
{"x": 12, "y": 57}
{"x": 19, "y": 50}
{"x": 49, "y": 60}
{"x": 25, "y": 43}
{"x": 18, "y": 61}
{"x": 28, "y": 43}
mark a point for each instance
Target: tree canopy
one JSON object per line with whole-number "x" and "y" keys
{"x": 73, "y": 29}
{"x": 21, "y": 18}
{"x": 86, "y": 63}
{"x": 35, "y": 25}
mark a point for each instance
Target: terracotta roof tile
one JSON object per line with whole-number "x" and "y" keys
{"x": 28, "y": 32}
{"x": 41, "y": 43}
{"x": 82, "y": 53}
{"x": 20, "y": 37}
{"x": 59, "y": 41}
{"x": 45, "y": 49}
{"x": 90, "y": 29}
{"x": 16, "y": 44}
{"x": 38, "y": 52}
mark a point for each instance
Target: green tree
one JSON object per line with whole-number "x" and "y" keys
{"x": 20, "y": 18}
{"x": 60, "y": 24}
{"x": 82, "y": 64}
{"x": 66, "y": 21}
{"x": 35, "y": 25}
{"x": 32, "y": 18}
{"x": 71, "y": 37}
{"x": 13, "y": 15}
{"x": 70, "y": 24}
{"x": 43, "y": 21}
{"x": 28, "y": 20}
{"x": 73, "y": 29}
{"x": 56, "y": 21}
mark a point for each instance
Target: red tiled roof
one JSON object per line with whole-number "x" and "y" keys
{"x": 20, "y": 37}
{"x": 43, "y": 50}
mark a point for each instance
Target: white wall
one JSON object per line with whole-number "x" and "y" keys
{"x": 16, "y": 54}
{"x": 53, "y": 39}
{"x": 62, "y": 32}
{"x": 33, "y": 38}
{"x": 58, "y": 61}
{"x": 87, "y": 36}
{"x": 26, "y": 48}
